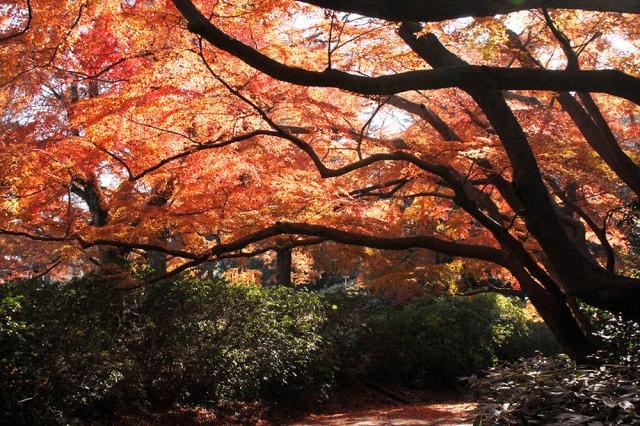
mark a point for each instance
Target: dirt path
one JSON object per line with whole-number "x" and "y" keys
{"x": 373, "y": 406}
{"x": 457, "y": 413}
{"x": 356, "y": 406}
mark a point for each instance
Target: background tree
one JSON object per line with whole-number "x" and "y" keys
{"x": 506, "y": 140}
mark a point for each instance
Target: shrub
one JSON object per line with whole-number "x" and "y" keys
{"x": 215, "y": 341}
{"x": 62, "y": 346}
{"x": 71, "y": 350}
{"x": 81, "y": 349}
{"x": 431, "y": 341}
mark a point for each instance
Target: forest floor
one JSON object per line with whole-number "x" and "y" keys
{"x": 360, "y": 405}
{"x": 366, "y": 406}
{"x": 451, "y": 413}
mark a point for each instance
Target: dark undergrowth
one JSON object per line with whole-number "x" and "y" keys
{"x": 554, "y": 390}
{"x": 83, "y": 352}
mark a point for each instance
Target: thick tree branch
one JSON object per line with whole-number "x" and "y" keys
{"x": 440, "y": 10}
{"x": 476, "y": 251}
{"x": 467, "y": 77}
{"x": 582, "y": 277}
{"x": 426, "y": 114}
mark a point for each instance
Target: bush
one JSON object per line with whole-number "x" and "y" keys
{"x": 431, "y": 341}
{"x": 215, "y": 341}
{"x": 62, "y": 348}
{"x": 71, "y": 350}
{"x": 81, "y": 349}
{"x": 620, "y": 337}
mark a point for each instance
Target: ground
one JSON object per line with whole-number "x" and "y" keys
{"x": 457, "y": 413}
{"x": 360, "y": 405}
{"x": 367, "y": 406}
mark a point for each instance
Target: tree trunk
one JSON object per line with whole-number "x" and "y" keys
{"x": 158, "y": 261}
{"x": 558, "y": 316}
{"x": 580, "y": 275}
{"x": 283, "y": 267}
{"x": 90, "y": 192}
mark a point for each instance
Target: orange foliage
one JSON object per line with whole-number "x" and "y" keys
{"x": 177, "y": 135}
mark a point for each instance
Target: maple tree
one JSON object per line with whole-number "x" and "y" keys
{"x": 191, "y": 132}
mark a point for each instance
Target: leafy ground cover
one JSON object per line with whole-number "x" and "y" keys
{"x": 543, "y": 390}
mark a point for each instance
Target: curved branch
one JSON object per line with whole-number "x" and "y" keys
{"x": 34, "y": 237}
{"x": 117, "y": 158}
{"x": 476, "y": 251}
{"x": 53, "y": 265}
{"x": 202, "y": 147}
{"x": 440, "y": 10}
{"x": 467, "y": 77}
{"x": 275, "y": 247}
{"x": 95, "y": 76}
{"x": 143, "y": 246}
{"x": 370, "y": 191}
{"x": 427, "y": 115}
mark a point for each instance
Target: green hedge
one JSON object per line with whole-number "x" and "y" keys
{"x": 77, "y": 349}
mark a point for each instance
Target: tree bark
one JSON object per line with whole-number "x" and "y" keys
{"x": 583, "y": 277}
{"x": 558, "y": 316}
{"x": 467, "y": 77}
{"x": 283, "y": 267}
{"x": 440, "y": 10}
{"x": 89, "y": 191}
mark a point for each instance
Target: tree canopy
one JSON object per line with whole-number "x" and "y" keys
{"x": 501, "y": 133}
